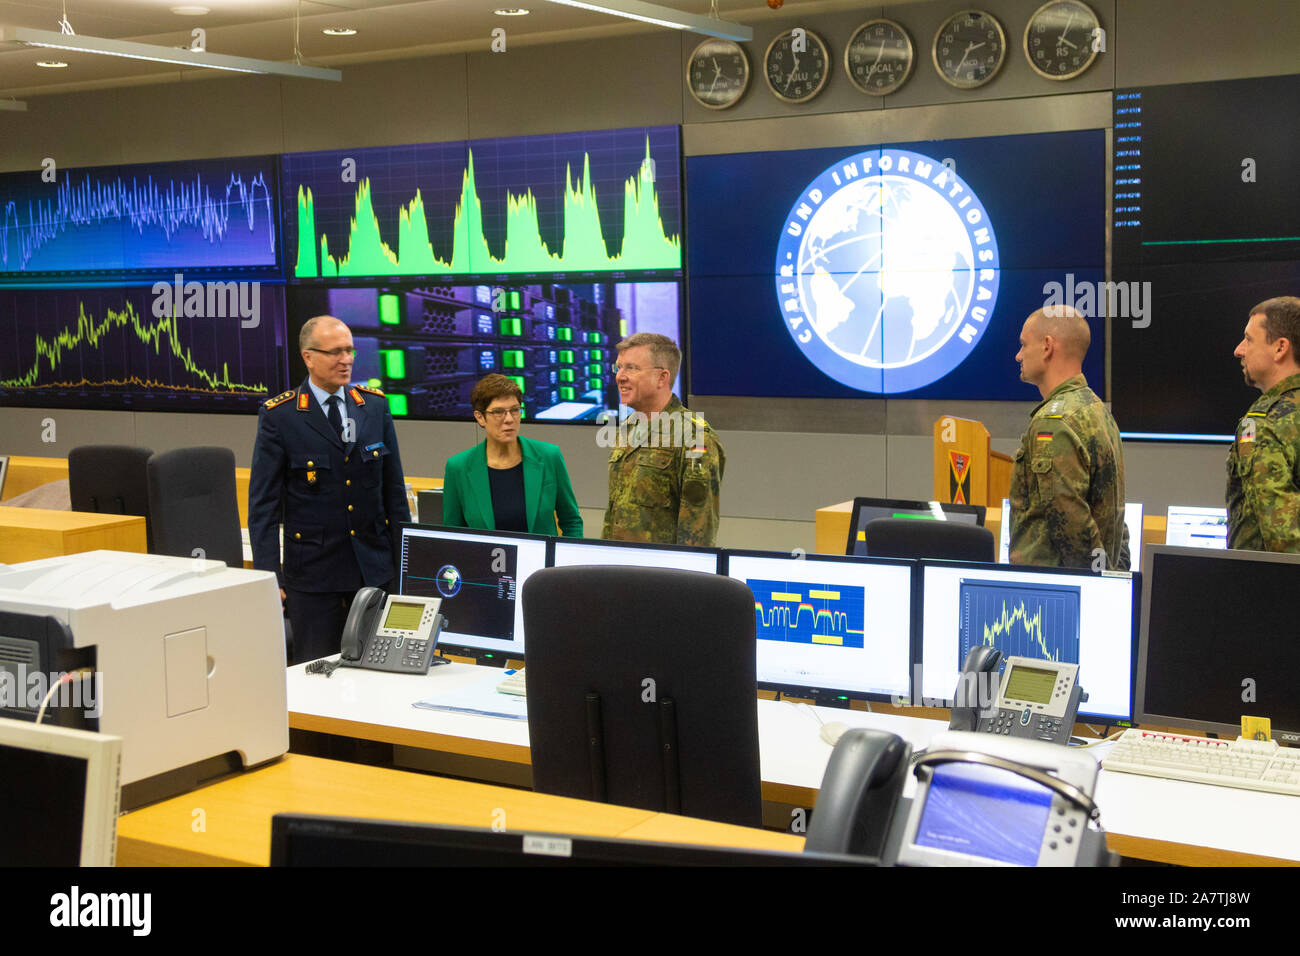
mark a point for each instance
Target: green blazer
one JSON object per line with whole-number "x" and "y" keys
{"x": 467, "y": 495}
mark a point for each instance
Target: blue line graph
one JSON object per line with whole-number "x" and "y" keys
{"x": 136, "y": 220}
{"x": 804, "y": 613}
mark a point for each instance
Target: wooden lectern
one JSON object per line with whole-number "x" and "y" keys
{"x": 966, "y": 470}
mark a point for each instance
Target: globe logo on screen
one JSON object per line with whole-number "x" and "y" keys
{"x": 448, "y": 580}
{"x": 887, "y": 271}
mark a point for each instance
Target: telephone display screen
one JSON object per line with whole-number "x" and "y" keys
{"x": 404, "y": 617}
{"x": 984, "y": 812}
{"x": 1033, "y": 684}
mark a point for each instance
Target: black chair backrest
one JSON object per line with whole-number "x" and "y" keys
{"x": 193, "y": 504}
{"x": 110, "y": 479}
{"x": 919, "y": 538}
{"x": 641, "y": 690}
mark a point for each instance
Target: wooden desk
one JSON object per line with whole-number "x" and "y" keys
{"x": 28, "y": 534}
{"x": 229, "y": 823}
{"x": 26, "y": 473}
{"x": 832, "y": 524}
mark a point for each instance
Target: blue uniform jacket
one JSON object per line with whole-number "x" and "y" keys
{"x": 340, "y": 504}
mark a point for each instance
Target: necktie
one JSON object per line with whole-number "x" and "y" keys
{"x": 335, "y": 416}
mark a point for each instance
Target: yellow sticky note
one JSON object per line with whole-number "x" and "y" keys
{"x": 1257, "y": 728}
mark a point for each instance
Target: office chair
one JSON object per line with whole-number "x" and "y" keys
{"x": 916, "y": 538}
{"x": 641, "y": 690}
{"x": 111, "y": 479}
{"x": 193, "y": 505}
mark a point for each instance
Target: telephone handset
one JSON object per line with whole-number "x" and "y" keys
{"x": 859, "y": 792}
{"x": 391, "y": 632}
{"x": 977, "y": 673}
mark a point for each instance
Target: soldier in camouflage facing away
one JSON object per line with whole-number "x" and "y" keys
{"x": 1264, "y": 461}
{"x": 1067, "y": 483}
{"x": 666, "y": 464}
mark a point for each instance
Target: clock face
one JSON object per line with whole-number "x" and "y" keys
{"x": 1059, "y": 39}
{"x": 969, "y": 49}
{"x": 717, "y": 73}
{"x": 796, "y": 75}
{"x": 879, "y": 57}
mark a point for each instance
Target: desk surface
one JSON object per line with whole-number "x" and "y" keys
{"x": 29, "y": 534}
{"x": 229, "y": 822}
{"x": 1147, "y": 818}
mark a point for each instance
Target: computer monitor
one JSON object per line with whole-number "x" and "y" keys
{"x": 830, "y": 627}
{"x": 428, "y": 505}
{"x": 1218, "y": 640}
{"x": 1075, "y": 616}
{"x": 868, "y": 509}
{"x": 480, "y": 577}
{"x": 575, "y": 551}
{"x": 1188, "y": 527}
{"x": 59, "y": 790}
{"x": 1132, "y": 520}
{"x": 299, "y": 839}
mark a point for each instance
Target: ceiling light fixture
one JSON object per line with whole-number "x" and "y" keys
{"x": 51, "y": 64}
{"x": 189, "y": 10}
{"x": 163, "y": 54}
{"x": 511, "y": 12}
{"x": 339, "y": 32}
{"x": 665, "y": 17}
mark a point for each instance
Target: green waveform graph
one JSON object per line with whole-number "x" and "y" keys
{"x": 84, "y": 348}
{"x": 645, "y": 243}
{"x": 1026, "y": 620}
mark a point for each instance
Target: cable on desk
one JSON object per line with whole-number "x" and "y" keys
{"x": 80, "y": 673}
{"x": 324, "y": 667}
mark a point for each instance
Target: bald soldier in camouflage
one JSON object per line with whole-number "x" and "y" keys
{"x": 1067, "y": 484}
{"x": 1264, "y": 461}
{"x": 666, "y": 464}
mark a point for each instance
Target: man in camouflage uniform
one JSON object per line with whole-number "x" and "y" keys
{"x": 1264, "y": 462}
{"x": 1067, "y": 483}
{"x": 665, "y": 466}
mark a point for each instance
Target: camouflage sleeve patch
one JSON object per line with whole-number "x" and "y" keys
{"x": 1267, "y": 469}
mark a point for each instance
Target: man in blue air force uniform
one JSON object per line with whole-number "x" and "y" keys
{"x": 326, "y": 466}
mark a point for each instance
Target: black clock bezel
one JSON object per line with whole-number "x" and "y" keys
{"x": 1024, "y": 44}
{"x": 826, "y": 73}
{"x": 911, "y": 56}
{"x": 967, "y": 84}
{"x": 744, "y": 87}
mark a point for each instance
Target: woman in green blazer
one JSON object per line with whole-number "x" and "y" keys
{"x": 508, "y": 483}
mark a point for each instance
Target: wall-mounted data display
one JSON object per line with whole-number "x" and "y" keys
{"x": 883, "y": 270}
{"x": 129, "y": 223}
{"x": 1205, "y": 227}
{"x": 427, "y": 344}
{"x": 136, "y": 348}
{"x": 571, "y": 203}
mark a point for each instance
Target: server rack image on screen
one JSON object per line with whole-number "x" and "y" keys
{"x": 426, "y": 345}
{"x": 1024, "y": 620}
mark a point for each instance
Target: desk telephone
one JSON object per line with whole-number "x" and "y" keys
{"x": 391, "y": 632}
{"x": 1037, "y": 699}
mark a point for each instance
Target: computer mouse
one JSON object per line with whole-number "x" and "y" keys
{"x": 832, "y": 732}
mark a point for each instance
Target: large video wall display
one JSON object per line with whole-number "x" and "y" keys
{"x": 1206, "y": 224}
{"x": 148, "y": 287}
{"x": 163, "y": 286}
{"x": 889, "y": 269}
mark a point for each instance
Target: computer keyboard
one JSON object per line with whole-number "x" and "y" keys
{"x": 513, "y": 684}
{"x": 1248, "y": 764}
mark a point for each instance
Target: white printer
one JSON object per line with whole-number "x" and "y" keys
{"x": 190, "y": 655}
